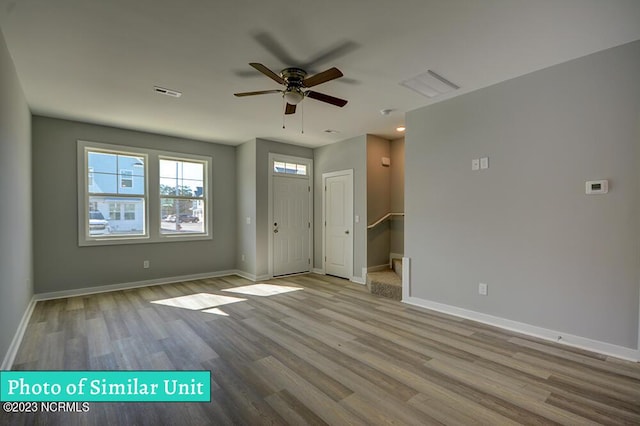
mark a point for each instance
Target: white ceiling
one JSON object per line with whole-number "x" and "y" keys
{"x": 98, "y": 60}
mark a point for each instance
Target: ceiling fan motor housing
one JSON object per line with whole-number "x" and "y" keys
{"x": 294, "y": 77}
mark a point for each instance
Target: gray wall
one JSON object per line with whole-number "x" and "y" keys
{"x": 16, "y": 260}
{"x": 553, "y": 257}
{"x": 396, "y": 225}
{"x": 378, "y": 200}
{"x": 61, "y": 265}
{"x": 348, "y": 154}
{"x": 246, "y": 185}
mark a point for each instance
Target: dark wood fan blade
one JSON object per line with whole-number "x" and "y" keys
{"x": 323, "y": 77}
{"x": 290, "y": 109}
{"x": 272, "y": 45}
{"x": 326, "y": 98}
{"x": 266, "y": 71}
{"x": 329, "y": 54}
{"x": 260, "y": 92}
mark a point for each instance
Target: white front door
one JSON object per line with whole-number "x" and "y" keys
{"x": 291, "y": 225}
{"x": 338, "y": 214}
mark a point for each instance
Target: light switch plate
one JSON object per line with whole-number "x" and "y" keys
{"x": 475, "y": 164}
{"x": 484, "y": 163}
{"x": 483, "y": 289}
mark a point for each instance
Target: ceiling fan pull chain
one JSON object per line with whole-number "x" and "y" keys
{"x": 283, "y": 111}
{"x": 302, "y": 117}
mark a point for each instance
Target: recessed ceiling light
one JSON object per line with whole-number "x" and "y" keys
{"x": 331, "y": 131}
{"x": 168, "y": 92}
{"x": 429, "y": 84}
{"x": 386, "y": 111}
{"x": 401, "y": 128}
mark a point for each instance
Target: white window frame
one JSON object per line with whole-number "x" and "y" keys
{"x": 152, "y": 215}
{"x": 206, "y": 162}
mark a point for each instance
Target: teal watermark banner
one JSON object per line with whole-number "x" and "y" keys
{"x": 106, "y": 386}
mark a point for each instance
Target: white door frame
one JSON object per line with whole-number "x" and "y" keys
{"x": 300, "y": 160}
{"x": 325, "y": 176}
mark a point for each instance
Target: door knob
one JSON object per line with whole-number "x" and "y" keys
{"x": 275, "y": 231}
{"x": 346, "y": 232}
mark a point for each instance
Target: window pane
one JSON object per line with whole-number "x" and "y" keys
{"x": 290, "y": 168}
{"x": 181, "y": 178}
{"x": 103, "y": 183}
{"x": 102, "y": 162}
{"x": 116, "y": 216}
{"x": 182, "y": 216}
{"x": 131, "y": 163}
{"x": 110, "y": 173}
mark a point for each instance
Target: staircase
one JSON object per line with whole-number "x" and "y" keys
{"x": 387, "y": 283}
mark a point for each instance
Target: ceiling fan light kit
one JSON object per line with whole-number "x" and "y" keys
{"x": 296, "y": 81}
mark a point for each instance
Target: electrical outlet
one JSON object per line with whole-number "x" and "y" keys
{"x": 483, "y": 289}
{"x": 475, "y": 164}
{"x": 145, "y": 264}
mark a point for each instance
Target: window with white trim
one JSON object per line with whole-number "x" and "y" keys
{"x": 116, "y": 205}
{"x": 182, "y": 196}
{"x": 290, "y": 168}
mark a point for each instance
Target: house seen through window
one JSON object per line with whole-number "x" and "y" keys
{"x": 116, "y": 180}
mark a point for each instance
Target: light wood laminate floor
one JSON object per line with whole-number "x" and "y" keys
{"x": 322, "y": 351}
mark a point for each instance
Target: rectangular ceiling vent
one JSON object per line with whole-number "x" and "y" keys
{"x": 430, "y": 84}
{"x": 167, "y": 92}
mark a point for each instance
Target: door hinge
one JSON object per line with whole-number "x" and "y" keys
{"x": 309, "y": 261}
{"x": 309, "y": 225}
{"x": 309, "y": 188}
{"x": 325, "y": 258}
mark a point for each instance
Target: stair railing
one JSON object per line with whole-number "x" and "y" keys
{"x": 383, "y": 218}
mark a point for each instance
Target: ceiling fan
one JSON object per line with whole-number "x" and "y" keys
{"x": 296, "y": 81}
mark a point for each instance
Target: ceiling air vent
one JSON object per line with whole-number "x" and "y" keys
{"x": 167, "y": 92}
{"x": 429, "y": 84}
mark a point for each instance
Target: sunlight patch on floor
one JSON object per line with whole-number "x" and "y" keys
{"x": 215, "y": 311}
{"x": 198, "y": 301}
{"x": 262, "y": 289}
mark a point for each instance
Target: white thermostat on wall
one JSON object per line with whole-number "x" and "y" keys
{"x": 597, "y": 187}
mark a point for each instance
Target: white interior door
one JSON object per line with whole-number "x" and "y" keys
{"x": 338, "y": 216}
{"x": 291, "y": 225}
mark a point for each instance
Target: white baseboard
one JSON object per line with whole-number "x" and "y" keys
{"x": 135, "y": 284}
{"x": 318, "y": 271}
{"x": 395, "y": 256}
{"x": 378, "y": 268}
{"x": 531, "y": 330}
{"x": 247, "y": 275}
{"x": 10, "y": 356}
{"x": 406, "y": 277}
